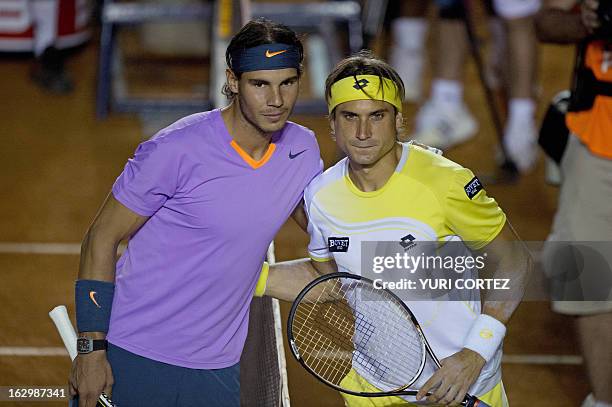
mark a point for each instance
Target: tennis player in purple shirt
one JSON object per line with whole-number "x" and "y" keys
{"x": 200, "y": 203}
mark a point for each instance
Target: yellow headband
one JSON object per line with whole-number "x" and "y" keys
{"x": 363, "y": 88}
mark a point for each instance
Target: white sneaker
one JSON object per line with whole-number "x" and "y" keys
{"x": 521, "y": 145}
{"x": 552, "y": 173}
{"x": 444, "y": 125}
{"x": 589, "y": 401}
{"x": 409, "y": 65}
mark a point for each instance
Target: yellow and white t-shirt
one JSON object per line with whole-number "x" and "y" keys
{"x": 432, "y": 199}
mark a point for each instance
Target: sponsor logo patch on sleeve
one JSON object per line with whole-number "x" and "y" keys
{"x": 338, "y": 244}
{"x": 473, "y": 187}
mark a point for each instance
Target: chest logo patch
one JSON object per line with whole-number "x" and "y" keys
{"x": 473, "y": 187}
{"x": 292, "y": 156}
{"x": 407, "y": 242}
{"x": 338, "y": 244}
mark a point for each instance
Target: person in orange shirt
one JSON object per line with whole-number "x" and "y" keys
{"x": 593, "y": 125}
{"x": 585, "y": 210}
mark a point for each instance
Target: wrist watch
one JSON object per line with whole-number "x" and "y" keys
{"x": 88, "y": 345}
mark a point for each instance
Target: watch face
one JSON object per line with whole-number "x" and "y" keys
{"x": 84, "y": 345}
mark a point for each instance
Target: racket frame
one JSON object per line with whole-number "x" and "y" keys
{"x": 469, "y": 401}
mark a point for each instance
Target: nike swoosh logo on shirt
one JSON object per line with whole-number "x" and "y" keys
{"x": 270, "y": 54}
{"x": 292, "y": 156}
{"x": 93, "y": 298}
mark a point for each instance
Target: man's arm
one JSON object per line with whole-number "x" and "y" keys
{"x": 288, "y": 278}
{"x": 511, "y": 260}
{"x": 113, "y": 223}
{"x": 91, "y": 373}
{"x": 300, "y": 217}
{"x": 556, "y": 22}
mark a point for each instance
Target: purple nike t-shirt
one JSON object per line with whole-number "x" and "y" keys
{"x": 185, "y": 283}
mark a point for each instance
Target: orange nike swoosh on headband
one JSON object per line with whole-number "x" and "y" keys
{"x": 270, "y": 54}
{"x": 91, "y": 296}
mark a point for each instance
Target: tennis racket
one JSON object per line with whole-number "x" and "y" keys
{"x": 59, "y": 315}
{"x": 340, "y": 322}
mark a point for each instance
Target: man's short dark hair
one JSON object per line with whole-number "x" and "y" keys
{"x": 258, "y": 32}
{"x": 363, "y": 62}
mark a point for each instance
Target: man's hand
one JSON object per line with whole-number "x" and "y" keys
{"x": 286, "y": 279}
{"x": 90, "y": 376}
{"x": 451, "y": 382}
{"x": 588, "y": 14}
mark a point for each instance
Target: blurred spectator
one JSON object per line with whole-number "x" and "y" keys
{"x": 585, "y": 212}
{"x": 407, "y": 54}
{"x": 49, "y": 72}
{"x": 444, "y": 120}
{"x": 46, "y": 28}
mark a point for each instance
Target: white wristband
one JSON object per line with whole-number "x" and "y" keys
{"x": 485, "y": 336}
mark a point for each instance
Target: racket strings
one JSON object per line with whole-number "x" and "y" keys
{"x": 394, "y": 357}
{"x": 342, "y": 324}
{"x": 323, "y": 332}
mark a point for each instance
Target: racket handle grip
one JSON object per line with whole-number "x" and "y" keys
{"x": 471, "y": 401}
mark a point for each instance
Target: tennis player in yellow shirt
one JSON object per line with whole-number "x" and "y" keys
{"x": 385, "y": 190}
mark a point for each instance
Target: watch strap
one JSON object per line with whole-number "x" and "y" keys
{"x": 100, "y": 344}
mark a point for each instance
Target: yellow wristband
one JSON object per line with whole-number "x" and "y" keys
{"x": 260, "y": 288}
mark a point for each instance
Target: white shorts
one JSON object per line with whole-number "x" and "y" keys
{"x": 511, "y": 9}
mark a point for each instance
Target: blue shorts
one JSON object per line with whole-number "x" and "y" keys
{"x": 140, "y": 381}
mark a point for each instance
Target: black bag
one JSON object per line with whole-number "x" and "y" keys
{"x": 554, "y": 132}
